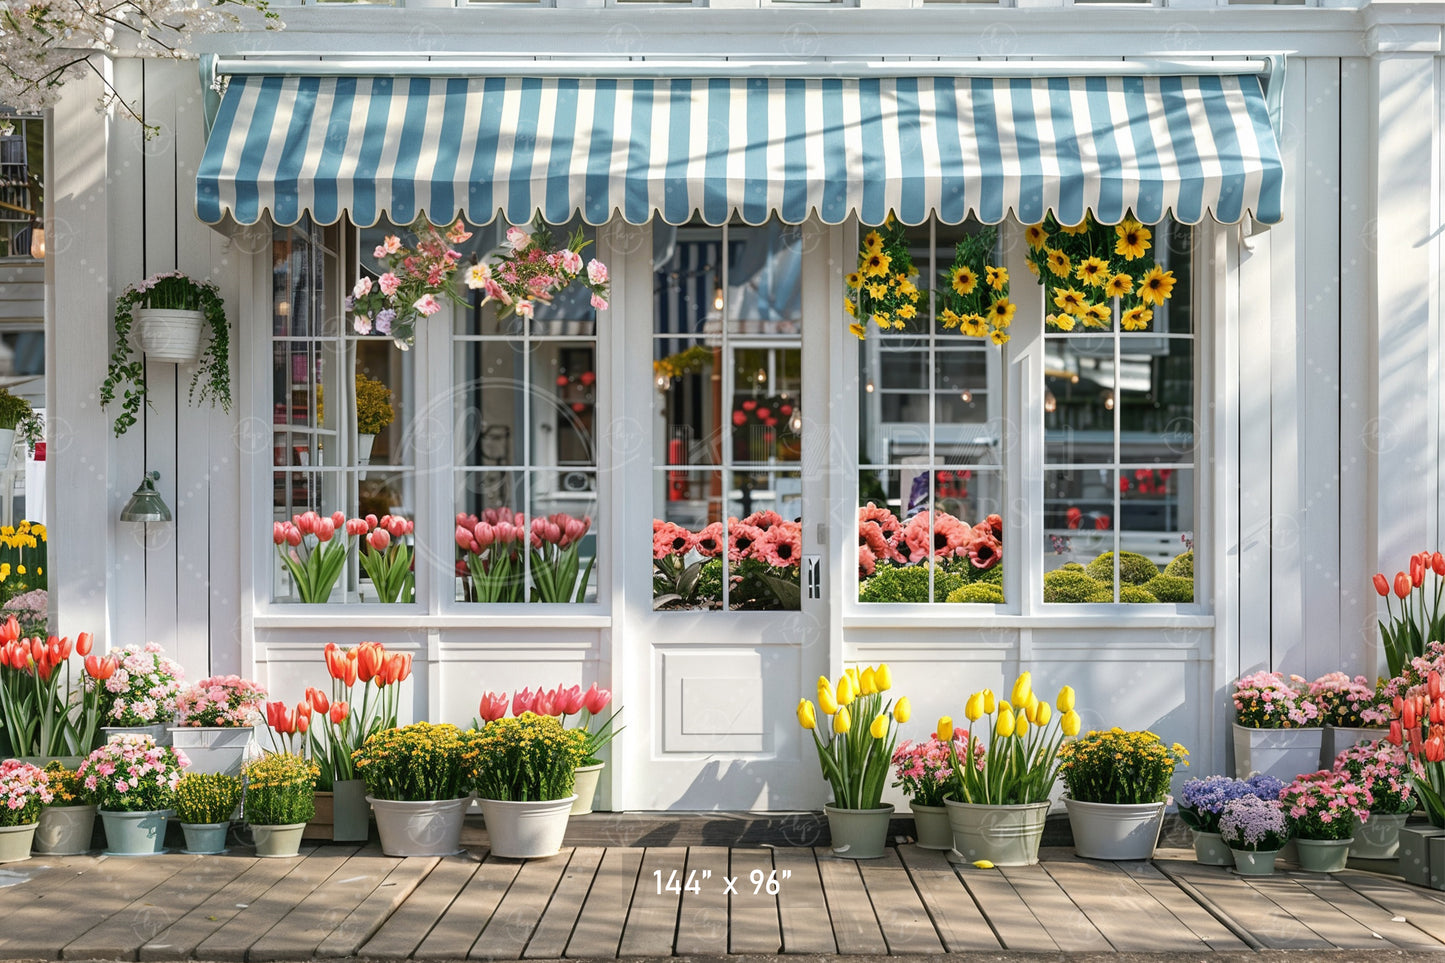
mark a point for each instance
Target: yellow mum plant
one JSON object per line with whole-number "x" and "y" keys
{"x": 1118, "y": 766}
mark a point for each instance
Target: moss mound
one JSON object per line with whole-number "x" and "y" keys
{"x": 1182, "y": 566}
{"x": 985, "y": 592}
{"x": 1134, "y": 568}
{"x": 1063, "y": 585}
{"x": 1170, "y": 588}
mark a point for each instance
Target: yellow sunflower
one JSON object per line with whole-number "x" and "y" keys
{"x": 949, "y": 318}
{"x": 964, "y": 280}
{"x": 878, "y": 289}
{"x": 1095, "y": 315}
{"x": 854, "y": 279}
{"x": 876, "y": 265}
{"x": 1036, "y": 236}
{"x": 998, "y": 336}
{"x": 858, "y": 330}
{"x": 906, "y": 287}
{"x": 1062, "y": 322}
{"x": 1075, "y": 229}
{"x": 1033, "y": 268}
{"x": 1069, "y": 300}
{"x": 1133, "y": 239}
{"x": 1001, "y": 312}
{"x": 1136, "y": 319}
{"x": 884, "y": 320}
{"x": 1119, "y": 285}
{"x": 1157, "y": 286}
{"x": 974, "y": 326}
{"x": 851, "y": 307}
{"x": 997, "y": 277}
{"x": 1059, "y": 263}
{"x": 1094, "y": 272}
{"x": 907, "y": 311}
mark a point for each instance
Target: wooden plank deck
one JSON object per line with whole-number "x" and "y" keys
{"x": 604, "y": 902}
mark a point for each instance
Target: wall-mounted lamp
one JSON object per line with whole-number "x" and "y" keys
{"x": 146, "y": 504}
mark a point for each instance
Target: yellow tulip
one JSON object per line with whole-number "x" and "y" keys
{"x": 1033, "y": 706}
{"x": 1066, "y": 699}
{"x": 982, "y": 864}
{"x": 1070, "y": 723}
{"x": 988, "y": 703}
{"x": 1004, "y": 709}
{"x": 902, "y": 710}
{"x": 841, "y": 722}
{"x": 1021, "y": 722}
{"x": 1041, "y": 718}
{"x": 1022, "y": 688}
{"x": 807, "y": 717}
{"x": 824, "y": 682}
{"x": 846, "y": 692}
{"x": 973, "y": 708}
{"x": 826, "y": 702}
{"x": 852, "y": 674}
{"x": 945, "y": 728}
{"x": 879, "y": 728}
{"x": 866, "y": 683}
{"x": 883, "y": 677}
{"x": 1005, "y": 725}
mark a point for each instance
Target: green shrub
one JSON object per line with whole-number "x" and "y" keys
{"x": 986, "y": 592}
{"x": 1071, "y": 567}
{"x": 1182, "y": 566}
{"x": 1134, "y": 568}
{"x": 1170, "y": 588}
{"x": 907, "y": 583}
{"x": 1128, "y": 594}
{"x": 1063, "y": 585}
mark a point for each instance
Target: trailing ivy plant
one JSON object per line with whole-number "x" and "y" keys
{"x": 126, "y": 373}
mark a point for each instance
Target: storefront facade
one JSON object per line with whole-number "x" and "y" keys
{"x": 1279, "y": 418}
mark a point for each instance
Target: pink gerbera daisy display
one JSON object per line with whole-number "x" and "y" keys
{"x": 671, "y": 539}
{"x": 711, "y": 541}
{"x": 741, "y": 539}
{"x": 781, "y": 546}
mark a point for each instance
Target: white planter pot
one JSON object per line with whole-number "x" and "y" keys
{"x": 1210, "y": 849}
{"x": 278, "y": 842}
{"x": 65, "y": 830}
{"x": 15, "y": 842}
{"x": 1336, "y": 739}
{"x": 364, "y": 442}
{"x": 1282, "y": 753}
{"x": 931, "y": 827}
{"x": 169, "y": 335}
{"x": 858, "y": 833}
{"x": 526, "y": 830}
{"x": 158, "y": 732}
{"x": 1003, "y": 835}
{"x": 426, "y": 828}
{"x": 1378, "y": 837}
{"x": 1114, "y": 830}
{"x": 1255, "y": 862}
{"x": 205, "y": 839}
{"x": 7, "y": 441}
{"x": 1323, "y": 855}
{"x": 585, "y": 787}
{"x": 213, "y": 749}
{"x": 135, "y": 834}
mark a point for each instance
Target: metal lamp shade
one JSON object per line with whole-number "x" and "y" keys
{"x": 146, "y": 504}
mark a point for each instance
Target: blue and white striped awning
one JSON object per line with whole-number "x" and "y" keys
{"x": 399, "y": 147}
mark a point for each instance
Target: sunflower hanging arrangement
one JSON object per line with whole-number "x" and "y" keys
{"x": 1083, "y": 268}
{"x": 973, "y": 294}
{"x": 882, "y": 288}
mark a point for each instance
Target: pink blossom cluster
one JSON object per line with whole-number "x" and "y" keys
{"x": 323, "y": 527}
{"x": 222, "y": 700}
{"x": 560, "y": 701}
{"x": 1415, "y": 673}
{"x": 144, "y": 687}
{"x": 924, "y": 769}
{"x": 501, "y": 527}
{"x": 23, "y": 789}
{"x": 881, "y": 537}
{"x": 407, "y": 290}
{"x": 1325, "y": 805}
{"x": 530, "y": 272}
{"x": 1346, "y": 701}
{"x": 380, "y": 532}
{"x": 559, "y": 529}
{"x": 1383, "y": 769}
{"x": 763, "y": 536}
{"x": 1267, "y": 700}
{"x": 130, "y": 773}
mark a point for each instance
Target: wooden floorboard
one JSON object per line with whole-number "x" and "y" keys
{"x": 511, "y": 927}
{"x": 702, "y": 916}
{"x": 1125, "y": 913}
{"x": 462, "y": 922}
{"x": 404, "y": 930}
{"x": 1229, "y": 894}
{"x": 598, "y": 933}
{"x": 1194, "y": 917}
{"x": 1338, "y": 928}
{"x": 802, "y": 905}
{"x": 232, "y": 941}
{"x": 549, "y": 941}
{"x": 652, "y": 920}
{"x": 960, "y": 925}
{"x": 1345, "y": 900}
{"x": 1008, "y": 915}
{"x": 855, "y": 926}
{"x": 369, "y": 915}
{"x": 753, "y": 925}
{"x": 1421, "y": 908}
{"x": 301, "y": 931}
{"x": 1064, "y": 921}
{"x": 904, "y": 920}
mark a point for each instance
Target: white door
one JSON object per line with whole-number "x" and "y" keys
{"x": 725, "y": 621}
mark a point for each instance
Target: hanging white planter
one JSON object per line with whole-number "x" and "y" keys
{"x": 364, "y": 441}
{"x": 168, "y": 334}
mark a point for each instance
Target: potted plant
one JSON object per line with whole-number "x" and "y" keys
{"x": 365, "y": 688}
{"x": 1417, "y": 729}
{"x": 386, "y": 557}
{"x": 1420, "y": 622}
{"x": 24, "y": 789}
{"x": 134, "y": 780}
{"x": 32, "y": 609}
{"x": 205, "y": 803}
{"x": 17, "y": 417}
{"x": 140, "y": 697}
{"x": 1118, "y": 784}
{"x": 1351, "y": 710}
{"x": 1384, "y": 770}
{"x": 1323, "y": 808}
{"x": 1276, "y": 728}
{"x": 373, "y": 413}
{"x": 314, "y": 548}
{"x": 1255, "y": 830}
{"x": 279, "y": 799}
{"x": 854, "y": 752}
{"x": 1202, "y": 802}
{"x": 999, "y": 811}
{"x": 925, "y": 774}
{"x": 214, "y": 720}
{"x": 167, "y": 312}
{"x": 418, "y": 780}
{"x": 67, "y": 822}
{"x": 23, "y": 548}
{"x": 491, "y": 545}
{"x": 526, "y": 767}
{"x": 556, "y": 541}
{"x": 49, "y": 710}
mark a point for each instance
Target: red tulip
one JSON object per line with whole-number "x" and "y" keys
{"x": 493, "y": 706}
{"x": 1417, "y": 571}
{"x": 339, "y": 712}
{"x": 1435, "y": 748}
{"x": 1410, "y": 716}
{"x": 404, "y": 672}
{"x": 1402, "y": 584}
{"x": 37, "y": 650}
{"x": 569, "y": 701}
{"x": 83, "y": 643}
{"x": 1437, "y": 563}
{"x": 276, "y": 716}
{"x": 1397, "y": 735}
{"x": 1433, "y": 686}
{"x": 545, "y": 703}
{"x": 523, "y": 701}
{"x": 10, "y": 630}
{"x": 356, "y": 526}
{"x": 318, "y": 699}
{"x": 335, "y": 660}
{"x": 1382, "y": 584}
{"x": 303, "y": 722}
{"x": 595, "y": 699}
{"x": 369, "y": 659}
{"x": 348, "y": 677}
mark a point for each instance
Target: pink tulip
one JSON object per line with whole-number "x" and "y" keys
{"x": 493, "y": 706}
{"x": 307, "y": 522}
{"x": 325, "y": 529}
{"x": 338, "y": 519}
{"x": 293, "y": 537}
{"x": 464, "y": 540}
{"x": 569, "y": 701}
{"x": 523, "y": 701}
{"x": 595, "y": 699}
{"x": 278, "y": 533}
{"x": 379, "y": 540}
{"x": 371, "y": 521}
{"x": 485, "y": 535}
{"x": 545, "y": 703}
